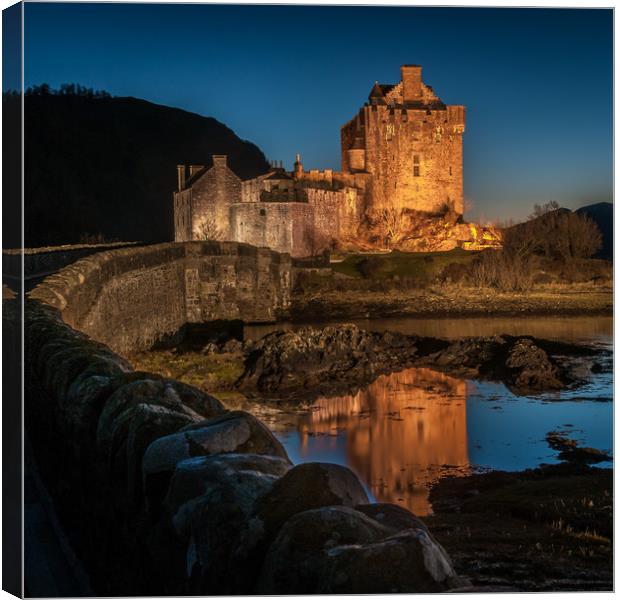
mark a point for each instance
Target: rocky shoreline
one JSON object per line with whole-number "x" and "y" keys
{"x": 312, "y": 361}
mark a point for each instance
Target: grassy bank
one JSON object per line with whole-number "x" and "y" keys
{"x": 429, "y": 284}
{"x": 214, "y": 373}
{"x": 452, "y": 301}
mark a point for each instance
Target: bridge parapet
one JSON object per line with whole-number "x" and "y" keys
{"x": 131, "y": 298}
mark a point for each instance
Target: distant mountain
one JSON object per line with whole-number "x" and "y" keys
{"x": 602, "y": 214}
{"x": 103, "y": 165}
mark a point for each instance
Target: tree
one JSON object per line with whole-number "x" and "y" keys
{"x": 393, "y": 223}
{"x": 208, "y": 229}
{"x": 555, "y": 233}
{"x": 543, "y": 209}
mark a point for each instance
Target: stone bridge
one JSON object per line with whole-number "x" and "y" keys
{"x": 131, "y": 298}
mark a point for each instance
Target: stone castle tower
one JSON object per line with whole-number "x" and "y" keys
{"x": 410, "y": 143}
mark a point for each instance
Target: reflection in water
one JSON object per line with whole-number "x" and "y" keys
{"x": 408, "y": 429}
{"x": 402, "y": 432}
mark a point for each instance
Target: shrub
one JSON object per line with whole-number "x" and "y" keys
{"x": 503, "y": 270}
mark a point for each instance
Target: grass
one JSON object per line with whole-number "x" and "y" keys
{"x": 416, "y": 265}
{"x": 208, "y": 372}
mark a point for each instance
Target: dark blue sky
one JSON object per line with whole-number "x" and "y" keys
{"x": 537, "y": 83}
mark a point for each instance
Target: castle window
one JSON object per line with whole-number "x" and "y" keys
{"x": 416, "y": 165}
{"x": 263, "y": 212}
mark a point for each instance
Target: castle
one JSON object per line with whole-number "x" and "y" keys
{"x": 403, "y": 151}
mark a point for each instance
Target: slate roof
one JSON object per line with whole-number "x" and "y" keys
{"x": 279, "y": 174}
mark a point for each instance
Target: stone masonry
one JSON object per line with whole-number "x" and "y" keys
{"x": 132, "y": 298}
{"x": 403, "y": 151}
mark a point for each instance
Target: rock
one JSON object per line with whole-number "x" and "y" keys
{"x": 393, "y": 517}
{"x": 469, "y": 356}
{"x": 316, "y": 358}
{"x": 232, "y": 346}
{"x": 148, "y": 389}
{"x": 210, "y": 348}
{"x": 245, "y": 476}
{"x": 410, "y": 561}
{"x": 531, "y": 368}
{"x": 135, "y": 415}
{"x": 210, "y": 503}
{"x": 79, "y": 409}
{"x": 234, "y": 432}
{"x": 571, "y": 452}
{"x": 308, "y": 486}
{"x": 340, "y": 550}
{"x": 519, "y": 362}
{"x": 147, "y": 423}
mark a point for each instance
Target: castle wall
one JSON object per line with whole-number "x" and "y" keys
{"x": 337, "y": 215}
{"x": 281, "y": 226}
{"x": 211, "y": 197}
{"x": 183, "y": 216}
{"x": 415, "y": 157}
{"x": 251, "y": 189}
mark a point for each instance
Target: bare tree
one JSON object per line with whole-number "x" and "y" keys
{"x": 543, "y": 209}
{"x": 585, "y": 238}
{"x": 208, "y": 229}
{"x": 393, "y": 223}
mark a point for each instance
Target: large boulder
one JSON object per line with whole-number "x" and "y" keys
{"x": 394, "y": 518}
{"x": 209, "y": 506}
{"x": 79, "y": 409}
{"x": 236, "y": 479}
{"x": 340, "y": 550}
{"x": 233, "y": 432}
{"x": 308, "y": 486}
{"x": 138, "y": 413}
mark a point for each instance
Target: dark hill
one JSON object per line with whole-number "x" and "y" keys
{"x": 108, "y": 165}
{"x": 602, "y": 214}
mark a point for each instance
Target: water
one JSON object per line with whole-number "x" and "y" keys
{"x": 406, "y": 430}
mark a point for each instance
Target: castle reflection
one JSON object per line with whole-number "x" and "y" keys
{"x": 401, "y": 433}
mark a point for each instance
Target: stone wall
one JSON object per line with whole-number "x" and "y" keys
{"x": 211, "y": 197}
{"x": 40, "y": 262}
{"x": 337, "y": 215}
{"x": 415, "y": 157}
{"x": 282, "y": 226}
{"x": 132, "y": 298}
{"x": 183, "y": 216}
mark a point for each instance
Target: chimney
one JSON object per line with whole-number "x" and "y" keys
{"x": 193, "y": 169}
{"x": 411, "y": 76}
{"x": 219, "y": 160}
{"x": 299, "y": 168}
{"x": 181, "y": 176}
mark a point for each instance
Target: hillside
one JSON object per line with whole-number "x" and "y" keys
{"x": 602, "y": 214}
{"x": 103, "y": 165}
